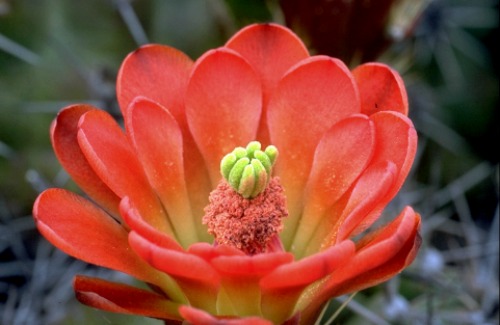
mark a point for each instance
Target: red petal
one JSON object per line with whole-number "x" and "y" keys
{"x": 85, "y": 232}
{"x": 369, "y": 190}
{"x": 208, "y": 251}
{"x": 395, "y": 141}
{"x": 271, "y": 50}
{"x": 158, "y": 143}
{"x": 198, "y": 280}
{"x": 137, "y": 224}
{"x": 381, "y": 89}
{"x": 223, "y": 105}
{"x": 342, "y": 154}
{"x": 240, "y": 276}
{"x": 64, "y": 140}
{"x": 380, "y": 256}
{"x": 314, "y": 95}
{"x": 307, "y": 270}
{"x": 282, "y": 288}
{"x": 354, "y": 208}
{"x": 157, "y": 72}
{"x": 256, "y": 265}
{"x": 395, "y": 144}
{"x": 161, "y": 74}
{"x": 174, "y": 262}
{"x": 121, "y": 298}
{"x": 110, "y": 155}
{"x": 199, "y": 317}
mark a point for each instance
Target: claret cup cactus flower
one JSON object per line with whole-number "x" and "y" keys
{"x": 237, "y": 183}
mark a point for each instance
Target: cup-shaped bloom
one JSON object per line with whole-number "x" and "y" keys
{"x": 154, "y": 187}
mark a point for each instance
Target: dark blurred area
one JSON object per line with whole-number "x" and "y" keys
{"x": 57, "y": 52}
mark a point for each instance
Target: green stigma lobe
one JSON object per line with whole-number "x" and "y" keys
{"x": 248, "y": 170}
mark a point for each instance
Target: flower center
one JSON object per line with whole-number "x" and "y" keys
{"x": 246, "y": 208}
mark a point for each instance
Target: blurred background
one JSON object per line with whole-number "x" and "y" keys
{"x": 57, "y": 52}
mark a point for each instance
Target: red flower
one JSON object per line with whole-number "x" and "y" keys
{"x": 345, "y": 145}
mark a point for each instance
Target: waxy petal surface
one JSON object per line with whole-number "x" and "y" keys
{"x": 121, "y": 298}
{"x": 349, "y": 215}
{"x": 256, "y": 265}
{"x": 190, "y": 271}
{"x": 157, "y": 140}
{"x": 82, "y": 230}
{"x": 309, "y": 269}
{"x": 311, "y": 97}
{"x": 161, "y": 73}
{"x": 109, "y": 153}
{"x": 369, "y": 189}
{"x": 199, "y": 317}
{"x": 341, "y": 156}
{"x": 282, "y": 288}
{"x": 223, "y": 106}
{"x": 240, "y": 277}
{"x": 271, "y": 49}
{"x": 209, "y": 251}
{"x": 372, "y": 186}
{"x": 157, "y": 72}
{"x": 381, "y": 255}
{"x": 395, "y": 141}
{"x": 139, "y": 225}
{"x": 380, "y": 88}
{"x": 173, "y": 262}
{"x": 63, "y": 135}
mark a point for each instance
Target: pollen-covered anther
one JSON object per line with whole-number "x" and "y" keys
{"x": 247, "y": 224}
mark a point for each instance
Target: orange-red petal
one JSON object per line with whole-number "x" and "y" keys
{"x": 380, "y": 256}
{"x": 208, "y": 251}
{"x": 380, "y": 88}
{"x": 84, "y": 231}
{"x": 161, "y": 73}
{"x": 395, "y": 141}
{"x": 157, "y": 140}
{"x": 315, "y": 94}
{"x": 350, "y": 213}
{"x": 109, "y": 153}
{"x": 157, "y": 72}
{"x": 307, "y": 270}
{"x": 125, "y": 299}
{"x": 341, "y": 156}
{"x": 240, "y": 277}
{"x": 256, "y": 265}
{"x": 371, "y": 187}
{"x": 271, "y": 50}
{"x": 197, "y": 278}
{"x": 223, "y": 105}
{"x": 199, "y": 317}
{"x": 139, "y": 225}
{"x": 171, "y": 261}
{"x": 64, "y": 141}
{"x": 282, "y": 287}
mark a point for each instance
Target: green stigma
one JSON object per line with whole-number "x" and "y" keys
{"x": 248, "y": 170}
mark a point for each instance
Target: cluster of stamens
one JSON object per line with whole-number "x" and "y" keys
{"x": 246, "y": 209}
{"x": 248, "y": 170}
